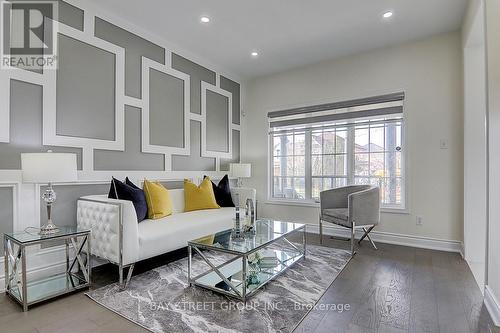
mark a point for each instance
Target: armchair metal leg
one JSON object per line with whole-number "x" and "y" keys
{"x": 353, "y": 240}
{"x": 366, "y": 234}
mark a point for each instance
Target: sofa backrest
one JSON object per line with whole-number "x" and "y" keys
{"x": 177, "y": 198}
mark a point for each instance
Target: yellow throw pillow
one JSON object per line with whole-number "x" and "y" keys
{"x": 158, "y": 200}
{"x": 199, "y": 197}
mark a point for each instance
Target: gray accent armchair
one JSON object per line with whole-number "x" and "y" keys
{"x": 354, "y": 207}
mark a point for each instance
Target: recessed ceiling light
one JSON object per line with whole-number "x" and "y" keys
{"x": 205, "y": 19}
{"x": 254, "y": 54}
{"x": 387, "y": 14}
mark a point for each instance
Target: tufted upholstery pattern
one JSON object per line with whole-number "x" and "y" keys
{"x": 103, "y": 218}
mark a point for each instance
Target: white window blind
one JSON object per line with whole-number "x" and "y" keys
{"x": 325, "y": 146}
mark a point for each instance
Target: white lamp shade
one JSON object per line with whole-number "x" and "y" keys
{"x": 240, "y": 170}
{"x": 48, "y": 167}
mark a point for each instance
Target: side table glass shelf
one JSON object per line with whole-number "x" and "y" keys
{"x": 77, "y": 274}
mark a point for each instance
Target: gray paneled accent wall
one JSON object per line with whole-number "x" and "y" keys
{"x": 83, "y": 104}
{"x": 26, "y": 126}
{"x": 64, "y": 210}
{"x": 193, "y": 162}
{"x": 166, "y": 110}
{"x": 234, "y": 89}
{"x": 197, "y": 74}
{"x": 217, "y": 122}
{"x": 132, "y": 158}
{"x": 70, "y": 15}
{"x": 135, "y": 48}
{"x": 84, "y": 108}
{"x": 224, "y": 163}
{"x": 6, "y": 211}
{"x": 173, "y": 184}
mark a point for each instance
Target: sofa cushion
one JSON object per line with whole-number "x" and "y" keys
{"x": 123, "y": 191}
{"x": 173, "y": 232}
{"x": 199, "y": 197}
{"x": 222, "y": 192}
{"x": 158, "y": 200}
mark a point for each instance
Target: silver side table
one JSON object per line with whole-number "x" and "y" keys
{"x": 77, "y": 274}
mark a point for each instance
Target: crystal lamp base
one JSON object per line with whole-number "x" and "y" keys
{"x": 49, "y": 229}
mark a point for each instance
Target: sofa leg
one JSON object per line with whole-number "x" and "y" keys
{"x": 120, "y": 276}
{"x": 123, "y": 284}
{"x": 320, "y": 231}
{"x": 353, "y": 240}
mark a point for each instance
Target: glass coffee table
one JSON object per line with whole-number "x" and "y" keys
{"x": 240, "y": 267}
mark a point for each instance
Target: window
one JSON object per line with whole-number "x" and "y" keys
{"x": 328, "y": 147}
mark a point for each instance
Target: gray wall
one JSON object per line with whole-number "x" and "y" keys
{"x": 217, "y": 122}
{"x": 64, "y": 210}
{"x": 84, "y": 108}
{"x": 85, "y": 100}
{"x": 6, "y": 211}
{"x": 135, "y": 48}
{"x": 194, "y": 162}
{"x": 26, "y": 126}
{"x": 197, "y": 74}
{"x": 224, "y": 162}
{"x": 131, "y": 158}
{"x": 234, "y": 89}
{"x": 166, "y": 110}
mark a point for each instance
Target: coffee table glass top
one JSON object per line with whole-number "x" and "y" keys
{"x": 266, "y": 232}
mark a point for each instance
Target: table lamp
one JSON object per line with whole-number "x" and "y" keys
{"x": 48, "y": 168}
{"x": 240, "y": 170}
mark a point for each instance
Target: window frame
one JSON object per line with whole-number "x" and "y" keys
{"x": 403, "y": 208}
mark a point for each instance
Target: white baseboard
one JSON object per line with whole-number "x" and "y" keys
{"x": 392, "y": 238}
{"x": 492, "y": 305}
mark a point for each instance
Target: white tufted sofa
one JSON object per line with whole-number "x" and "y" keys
{"x": 117, "y": 237}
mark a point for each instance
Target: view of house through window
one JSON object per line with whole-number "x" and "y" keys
{"x": 309, "y": 159}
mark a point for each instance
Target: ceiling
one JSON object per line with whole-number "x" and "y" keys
{"x": 286, "y": 33}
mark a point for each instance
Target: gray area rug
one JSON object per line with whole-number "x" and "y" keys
{"x": 161, "y": 301}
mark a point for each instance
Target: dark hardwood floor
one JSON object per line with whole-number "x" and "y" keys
{"x": 401, "y": 289}
{"x": 394, "y": 289}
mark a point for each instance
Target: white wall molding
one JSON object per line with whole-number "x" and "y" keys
{"x": 492, "y": 305}
{"x": 147, "y": 65}
{"x": 15, "y": 202}
{"x": 50, "y": 136}
{"x": 5, "y": 76}
{"x": 204, "y": 151}
{"x": 48, "y": 80}
{"x": 392, "y": 238}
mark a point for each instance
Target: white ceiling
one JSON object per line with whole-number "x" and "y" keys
{"x": 286, "y": 33}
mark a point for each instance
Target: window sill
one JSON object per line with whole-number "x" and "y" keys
{"x": 314, "y": 204}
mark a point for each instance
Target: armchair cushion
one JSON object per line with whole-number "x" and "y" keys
{"x": 337, "y": 216}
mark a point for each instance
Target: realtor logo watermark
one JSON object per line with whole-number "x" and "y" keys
{"x": 28, "y": 34}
